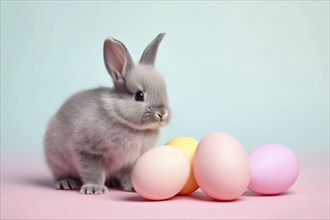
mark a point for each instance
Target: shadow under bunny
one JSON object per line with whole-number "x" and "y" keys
{"x": 41, "y": 181}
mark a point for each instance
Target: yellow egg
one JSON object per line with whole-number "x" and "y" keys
{"x": 188, "y": 146}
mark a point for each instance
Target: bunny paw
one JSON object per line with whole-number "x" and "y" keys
{"x": 93, "y": 189}
{"x": 128, "y": 187}
{"x": 67, "y": 184}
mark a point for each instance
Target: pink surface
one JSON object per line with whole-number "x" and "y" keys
{"x": 26, "y": 192}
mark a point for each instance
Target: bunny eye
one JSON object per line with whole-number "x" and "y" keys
{"x": 139, "y": 96}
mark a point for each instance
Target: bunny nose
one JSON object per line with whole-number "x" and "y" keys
{"x": 161, "y": 114}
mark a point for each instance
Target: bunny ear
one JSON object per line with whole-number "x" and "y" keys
{"x": 117, "y": 60}
{"x": 149, "y": 54}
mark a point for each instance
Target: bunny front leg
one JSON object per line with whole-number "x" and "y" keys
{"x": 92, "y": 174}
{"x": 126, "y": 179}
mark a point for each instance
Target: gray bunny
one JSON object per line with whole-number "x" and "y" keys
{"x": 95, "y": 138}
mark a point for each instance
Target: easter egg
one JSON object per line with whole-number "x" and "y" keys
{"x": 221, "y": 166}
{"x": 161, "y": 172}
{"x": 274, "y": 169}
{"x": 188, "y": 146}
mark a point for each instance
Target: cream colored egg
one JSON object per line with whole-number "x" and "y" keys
{"x": 161, "y": 172}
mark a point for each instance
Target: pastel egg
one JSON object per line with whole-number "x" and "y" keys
{"x": 221, "y": 166}
{"x": 161, "y": 172}
{"x": 188, "y": 145}
{"x": 274, "y": 169}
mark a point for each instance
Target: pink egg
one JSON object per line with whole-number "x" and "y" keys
{"x": 161, "y": 172}
{"x": 274, "y": 169}
{"x": 221, "y": 166}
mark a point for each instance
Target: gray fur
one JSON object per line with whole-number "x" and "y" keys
{"x": 149, "y": 54}
{"x": 118, "y": 61}
{"x": 98, "y": 134}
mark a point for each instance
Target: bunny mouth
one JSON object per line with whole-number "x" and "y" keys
{"x": 156, "y": 119}
{"x": 161, "y": 123}
{"x": 152, "y": 119}
{"x": 151, "y": 125}
{"x": 156, "y": 125}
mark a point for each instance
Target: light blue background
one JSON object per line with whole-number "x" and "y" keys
{"x": 258, "y": 70}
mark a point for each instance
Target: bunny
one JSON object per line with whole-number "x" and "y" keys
{"x": 97, "y": 135}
